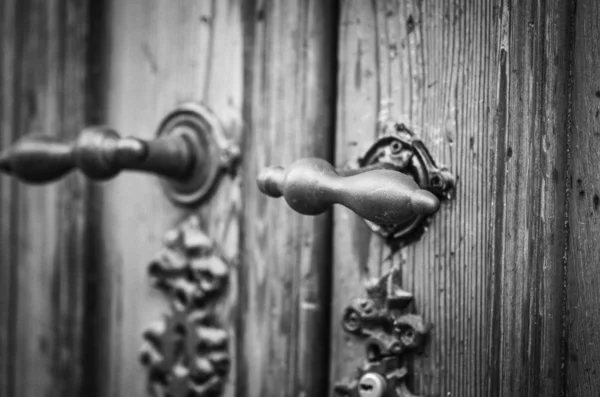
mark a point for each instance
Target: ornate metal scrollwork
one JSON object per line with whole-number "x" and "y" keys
{"x": 389, "y": 332}
{"x": 398, "y": 148}
{"x": 186, "y": 353}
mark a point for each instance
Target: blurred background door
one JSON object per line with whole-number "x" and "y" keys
{"x": 504, "y": 93}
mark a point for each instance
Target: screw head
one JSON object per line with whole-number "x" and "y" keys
{"x": 352, "y": 321}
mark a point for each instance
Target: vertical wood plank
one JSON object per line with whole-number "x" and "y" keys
{"x": 583, "y": 274}
{"x": 43, "y": 77}
{"x": 288, "y": 113}
{"x": 9, "y": 201}
{"x": 484, "y": 84}
{"x": 528, "y": 278}
{"x": 160, "y": 54}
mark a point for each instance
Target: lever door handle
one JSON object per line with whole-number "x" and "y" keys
{"x": 188, "y": 153}
{"x": 384, "y": 196}
{"x": 99, "y": 153}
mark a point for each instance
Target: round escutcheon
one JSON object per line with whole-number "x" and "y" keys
{"x": 212, "y": 152}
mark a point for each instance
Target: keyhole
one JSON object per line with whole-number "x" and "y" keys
{"x": 366, "y": 387}
{"x": 371, "y": 385}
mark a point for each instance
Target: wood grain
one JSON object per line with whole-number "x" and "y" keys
{"x": 8, "y": 204}
{"x": 43, "y": 78}
{"x": 583, "y": 273}
{"x": 289, "y": 114}
{"x": 484, "y": 83}
{"x": 159, "y": 54}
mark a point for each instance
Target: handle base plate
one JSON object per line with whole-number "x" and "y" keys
{"x": 398, "y": 148}
{"x": 203, "y": 132}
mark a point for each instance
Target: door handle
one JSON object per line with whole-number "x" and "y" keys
{"x": 395, "y": 186}
{"x": 384, "y": 196}
{"x": 99, "y": 153}
{"x": 188, "y": 153}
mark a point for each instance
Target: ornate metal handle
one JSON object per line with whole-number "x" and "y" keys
{"x": 100, "y": 153}
{"x": 384, "y": 196}
{"x": 189, "y": 152}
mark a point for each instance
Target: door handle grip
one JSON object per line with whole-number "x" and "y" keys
{"x": 384, "y": 196}
{"x": 99, "y": 153}
{"x": 189, "y": 153}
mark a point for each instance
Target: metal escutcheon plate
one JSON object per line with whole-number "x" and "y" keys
{"x": 203, "y": 132}
{"x": 399, "y": 149}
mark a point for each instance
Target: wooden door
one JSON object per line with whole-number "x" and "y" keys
{"x": 76, "y": 293}
{"x": 486, "y": 85}
{"x": 501, "y": 92}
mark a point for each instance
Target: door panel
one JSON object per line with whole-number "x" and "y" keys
{"x": 583, "y": 276}
{"x": 288, "y": 114}
{"x": 43, "y": 78}
{"x": 484, "y": 84}
{"x": 158, "y": 55}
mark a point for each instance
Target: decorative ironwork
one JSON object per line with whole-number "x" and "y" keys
{"x": 186, "y": 353}
{"x": 399, "y": 149}
{"x": 382, "y": 319}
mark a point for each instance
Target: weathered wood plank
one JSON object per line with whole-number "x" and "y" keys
{"x": 42, "y": 244}
{"x": 288, "y": 113}
{"x": 484, "y": 83}
{"x": 9, "y": 201}
{"x": 7, "y": 204}
{"x": 583, "y": 273}
{"x": 158, "y": 55}
{"x": 529, "y": 270}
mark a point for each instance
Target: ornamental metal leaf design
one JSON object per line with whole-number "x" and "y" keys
{"x": 186, "y": 353}
{"x": 389, "y": 332}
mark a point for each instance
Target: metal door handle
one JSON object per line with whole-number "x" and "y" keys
{"x": 384, "y": 196}
{"x": 188, "y": 153}
{"x": 99, "y": 153}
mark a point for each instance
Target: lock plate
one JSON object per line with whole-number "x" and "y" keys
{"x": 398, "y": 148}
{"x": 390, "y": 332}
{"x": 186, "y": 353}
{"x": 214, "y": 152}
